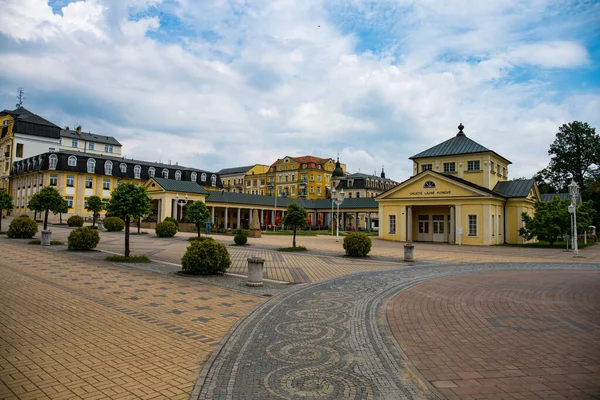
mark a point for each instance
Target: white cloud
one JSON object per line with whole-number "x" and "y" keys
{"x": 559, "y": 54}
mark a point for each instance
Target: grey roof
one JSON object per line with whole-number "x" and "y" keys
{"x": 91, "y": 137}
{"x": 235, "y": 170}
{"x": 517, "y": 188}
{"x": 24, "y": 114}
{"x": 173, "y": 185}
{"x": 219, "y": 196}
{"x": 550, "y": 196}
{"x": 360, "y": 175}
{"x": 460, "y": 144}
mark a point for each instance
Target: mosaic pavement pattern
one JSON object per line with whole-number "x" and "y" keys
{"x": 328, "y": 340}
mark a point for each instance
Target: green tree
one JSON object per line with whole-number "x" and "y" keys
{"x": 6, "y": 203}
{"x": 95, "y": 205}
{"x": 585, "y": 216}
{"x": 551, "y": 220}
{"x": 575, "y": 152}
{"x": 129, "y": 201}
{"x": 62, "y": 209}
{"x": 198, "y": 214}
{"x": 296, "y": 218}
{"x": 46, "y": 200}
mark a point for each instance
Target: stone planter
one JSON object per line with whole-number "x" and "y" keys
{"x": 46, "y": 238}
{"x": 255, "y": 271}
{"x": 409, "y": 252}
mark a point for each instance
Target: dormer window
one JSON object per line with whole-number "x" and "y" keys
{"x": 53, "y": 160}
{"x": 91, "y": 166}
{"x": 72, "y": 161}
{"x": 123, "y": 168}
{"x": 178, "y": 175}
{"x": 108, "y": 165}
{"x": 203, "y": 177}
{"x": 193, "y": 177}
{"x": 213, "y": 180}
{"x": 429, "y": 185}
{"x": 137, "y": 172}
{"x": 151, "y": 172}
{"x": 165, "y": 173}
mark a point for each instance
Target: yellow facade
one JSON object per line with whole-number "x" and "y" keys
{"x": 255, "y": 180}
{"x": 6, "y": 146}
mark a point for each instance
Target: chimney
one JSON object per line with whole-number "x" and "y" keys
{"x": 78, "y": 130}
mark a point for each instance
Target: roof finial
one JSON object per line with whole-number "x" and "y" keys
{"x": 382, "y": 172}
{"x": 460, "y": 130}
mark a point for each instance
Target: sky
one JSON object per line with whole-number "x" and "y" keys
{"x": 213, "y": 84}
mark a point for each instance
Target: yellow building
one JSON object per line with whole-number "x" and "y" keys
{"x": 255, "y": 180}
{"x": 304, "y": 177}
{"x": 459, "y": 193}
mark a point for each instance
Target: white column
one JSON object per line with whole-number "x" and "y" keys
{"x": 212, "y": 214}
{"x": 485, "y": 221}
{"x": 356, "y": 221}
{"x": 452, "y": 231}
{"x": 409, "y": 224}
{"x": 262, "y": 217}
{"x": 158, "y": 219}
{"x": 226, "y": 217}
{"x": 458, "y": 218}
{"x": 273, "y": 217}
{"x": 381, "y": 222}
{"x": 174, "y": 211}
{"x": 238, "y": 217}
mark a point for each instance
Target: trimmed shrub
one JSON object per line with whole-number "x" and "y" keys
{"x": 83, "y": 239}
{"x": 357, "y": 244}
{"x": 240, "y": 239}
{"x": 166, "y": 229}
{"x": 199, "y": 238}
{"x": 114, "y": 224}
{"x": 173, "y": 220}
{"x": 205, "y": 258}
{"x": 75, "y": 220}
{"x": 22, "y": 227}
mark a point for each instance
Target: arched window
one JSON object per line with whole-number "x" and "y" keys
{"x": 53, "y": 160}
{"x": 203, "y": 177}
{"x": 108, "y": 167}
{"x": 151, "y": 172}
{"x": 72, "y": 162}
{"x": 213, "y": 180}
{"x": 178, "y": 175}
{"x": 194, "y": 177}
{"x": 34, "y": 162}
{"x": 165, "y": 173}
{"x": 137, "y": 172}
{"x": 91, "y": 166}
{"x": 429, "y": 185}
{"x": 40, "y": 159}
{"x": 123, "y": 167}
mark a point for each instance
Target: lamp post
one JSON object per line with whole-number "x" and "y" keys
{"x": 275, "y": 218}
{"x": 181, "y": 203}
{"x": 332, "y": 201}
{"x": 338, "y": 200}
{"x": 574, "y": 191}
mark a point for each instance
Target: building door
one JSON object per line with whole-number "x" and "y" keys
{"x": 423, "y": 235}
{"x": 438, "y": 228}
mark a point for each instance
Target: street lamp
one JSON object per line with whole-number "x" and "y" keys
{"x": 332, "y": 201}
{"x": 181, "y": 203}
{"x": 574, "y": 191}
{"x": 275, "y": 217}
{"x": 338, "y": 200}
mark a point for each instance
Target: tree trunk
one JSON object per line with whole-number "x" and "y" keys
{"x": 94, "y": 219}
{"x": 198, "y": 226}
{"x": 127, "y": 221}
{"x": 139, "y": 224}
{"x": 0, "y": 220}
{"x": 294, "y": 241}
{"x": 46, "y": 221}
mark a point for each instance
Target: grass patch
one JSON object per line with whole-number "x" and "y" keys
{"x": 130, "y": 259}
{"x": 546, "y": 245}
{"x": 52, "y": 242}
{"x": 290, "y": 249}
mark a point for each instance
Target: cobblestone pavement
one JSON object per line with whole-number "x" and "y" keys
{"x": 75, "y": 327}
{"x": 509, "y": 334}
{"x": 332, "y": 340}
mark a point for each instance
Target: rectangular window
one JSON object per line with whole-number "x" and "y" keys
{"x": 90, "y": 146}
{"x": 312, "y": 177}
{"x": 293, "y": 189}
{"x": 312, "y": 189}
{"x": 319, "y": 178}
{"x": 74, "y": 143}
{"x": 473, "y": 165}
{"x": 327, "y": 178}
{"x": 472, "y": 225}
{"x": 106, "y": 184}
{"x": 85, "y": 203}
{"x": 492, "y": 167}
{"x": 504, "y": 172}
{"x": 319, "y": 190}
{"x": 357, "y": 195}
{"x": 53, "y": 180}
{"x": 426, "y": 167}
{"x": 248, "y": 183}
{"x": 70, "y": 180}
{"x": 392, "y": 224}
{"x": 108, "y": 148}
{"x": 89, "y": 182}
{"x": 449, "y": 167}
{"x": 498, "y": 170}
{"x": 69, "y": 201}
{"x": 19, "y": 149}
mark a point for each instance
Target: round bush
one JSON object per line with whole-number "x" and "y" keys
{"x": 166, "y": 229}
{"x": 173, "y": 220}
{"x": 75, "y": 220}
{"x": 357, "y": 244}
{"x": 22, "y": 227}
{"x": 83, "y": 239}
{"x": 240, "y": 239}
{"x": 205, "y": 258}
{"x": 114, "y": 224}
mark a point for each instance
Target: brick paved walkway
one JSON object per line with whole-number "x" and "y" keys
{"x": 73, "y": 327}
{"x": 504, "y": 335}
{"x": 331, "y": 339}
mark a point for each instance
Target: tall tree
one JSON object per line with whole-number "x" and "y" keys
{"x": 551, "y": 220}
{"x": 198, "y": 214}
{"x": 129, "y": 201}
{"x": 6, "y": 203}
{"x": 575, "y": 152}
{"x": 296, "y": 218}
{"x": 95, "y": 205}
{"x": 46, "y": 200}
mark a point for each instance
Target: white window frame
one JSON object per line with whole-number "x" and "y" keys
{"x": 449, "y": 167}
{"x": 74, "y": 143}
{"x": 89, "y": 180}
{"x": 108, "y": 167}
{"x": 165, "y": 171}
{"x": 178, "y": 175}
{"x": 194, "y": 177}
{"x": 203, "y": 177}
{"x": 91, "y": 166}
{"x": 137, "y": 172}
{"x": 72, "y": 179}
{"x": 123, "y": 168}
{"x": 426, "y": 167}
{"x": 90, "y": 145}
{"x": 72, "y": 161}
{"x": 213, "y": 180}
{"x": 469, "y": 234}
{"x": 104, "y": 184}
{"x": 471, "y": 165}
{"x": 52, "y": 161}
{"x": 392, "y": 218}
{"x": 151, "y": 172}
{"x": 70, "y": 202}
{"x": 108, "y": 148}
{"x": 53, "y": 181}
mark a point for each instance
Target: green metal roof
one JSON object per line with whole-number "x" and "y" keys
{"x": 173, "y": 185}
{"x": 517, "y": 188}
{"x": 460, "y": 144}
{"x": 550, "y": 196}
